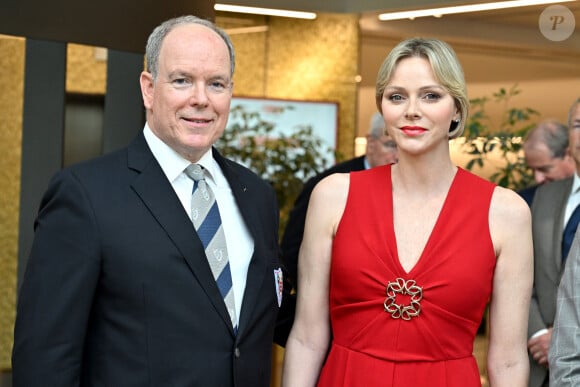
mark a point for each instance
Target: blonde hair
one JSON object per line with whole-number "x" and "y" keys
{"x": 445, "y": 66}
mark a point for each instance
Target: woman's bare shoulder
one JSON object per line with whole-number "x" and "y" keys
{"x": 506, "y": 203}
{"x": 509, "y": 217}
{"x": 329, "y": 197}
{"x": 332, "y": 185}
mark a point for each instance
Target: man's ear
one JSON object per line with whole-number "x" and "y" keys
{"x": 147, "y": 88}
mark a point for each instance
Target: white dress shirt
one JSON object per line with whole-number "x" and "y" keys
{"x": 573, "y": 199}
{"x": 239, "y": 242}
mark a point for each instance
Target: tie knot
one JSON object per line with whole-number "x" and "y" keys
{"x": 194, "y": 172}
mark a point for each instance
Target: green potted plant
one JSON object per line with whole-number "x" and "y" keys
{"x": 483, "y": 135}
{"x": 286, "y": 161}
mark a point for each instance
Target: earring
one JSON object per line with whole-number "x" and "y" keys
{"x": 454, "y": 125}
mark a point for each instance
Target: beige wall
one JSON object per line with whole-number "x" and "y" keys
{"x": 86, "y": 70}
{"x": 12, "y": 86}
{"x": 313, "y": 60}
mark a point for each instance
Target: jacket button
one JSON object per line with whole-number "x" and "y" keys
{"x": 237, "y": 352}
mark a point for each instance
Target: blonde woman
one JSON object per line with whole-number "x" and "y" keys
{"x": 399, "y": 262}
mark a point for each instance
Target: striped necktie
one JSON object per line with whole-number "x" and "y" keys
{"x": 205, "y": 215}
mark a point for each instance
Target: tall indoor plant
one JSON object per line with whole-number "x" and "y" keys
{"x": 484, "y": 135}
{"x": 286, "y": 161}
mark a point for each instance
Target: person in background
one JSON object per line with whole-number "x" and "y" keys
{"x": 399, "y": 262}
{"x": 546, "y": 152}
{"x": 555, "y": 212}
{"x": 564, "y": 352}
{"x": 380, "y": 150}
{"x": 120, "y": 288}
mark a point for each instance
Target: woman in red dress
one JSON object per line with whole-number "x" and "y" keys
{"x": 399, "y": 262}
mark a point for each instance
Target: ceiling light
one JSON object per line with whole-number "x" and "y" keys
{"x": 264, "y": 11}
{"x": 246, "y": 30}
{"x": 465, "y": 8}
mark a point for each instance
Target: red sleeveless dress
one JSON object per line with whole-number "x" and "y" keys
{"x": 425, "y": 337}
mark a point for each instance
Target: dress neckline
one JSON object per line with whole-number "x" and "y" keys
{"x": 434, "y": 231}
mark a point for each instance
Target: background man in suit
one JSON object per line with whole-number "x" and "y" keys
{"x": 380, "y": 150}
{"x": 118, "y": 290}
{"x": 564, "y": 357}
{"x": 546, "y": 153}
{"x": 552, "y": 214}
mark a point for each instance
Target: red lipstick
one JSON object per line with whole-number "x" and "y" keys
{"x": 413, "y": 130}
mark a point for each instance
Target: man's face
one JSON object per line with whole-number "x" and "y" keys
{"x": 545, "y": 167}
{"x": 188, "y": 104}
{"x": 381, "y": 151}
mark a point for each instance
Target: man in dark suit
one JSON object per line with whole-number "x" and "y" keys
{"x": 118, "y": 290}
{"x": 380, "y": 150}
{"x": 546, "y": 152}
{"x": 552, "y": 213}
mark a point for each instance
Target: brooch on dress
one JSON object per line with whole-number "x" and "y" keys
{"x": 409, "y": 289}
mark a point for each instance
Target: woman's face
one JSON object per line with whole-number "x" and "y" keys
{"x": 417, "y": 110}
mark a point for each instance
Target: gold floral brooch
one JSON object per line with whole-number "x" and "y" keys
{"x": 404, "y": 288}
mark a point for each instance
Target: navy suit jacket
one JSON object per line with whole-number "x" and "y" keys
{"x": 118, "y": 291}
{"x": 294, "y": 230}
{"x": 528, "y": 194}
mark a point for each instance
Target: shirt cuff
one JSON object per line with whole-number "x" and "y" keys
{"x": 539, "y": 333}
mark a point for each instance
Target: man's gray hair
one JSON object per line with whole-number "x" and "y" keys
{"x": 155, "y": 41}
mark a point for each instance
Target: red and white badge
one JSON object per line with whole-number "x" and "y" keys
{"x": 279, "y": 283}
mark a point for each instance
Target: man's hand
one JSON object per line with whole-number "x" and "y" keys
{"x": 539, "y": 347}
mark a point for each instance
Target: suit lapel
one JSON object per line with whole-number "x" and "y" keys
{"x": 152, "y": 186}
{"x": 560, "y": 197}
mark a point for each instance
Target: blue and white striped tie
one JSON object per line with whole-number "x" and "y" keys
{"x": 205, "y": 215}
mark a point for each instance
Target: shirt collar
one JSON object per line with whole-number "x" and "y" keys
{"x": 209, "y": 164}
{"x": 170, "y": 161}
{"x": 366, "y": 163}
{"x": 576, "y": 184}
